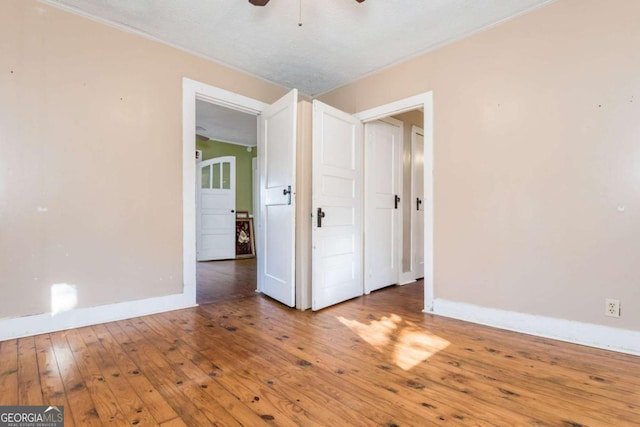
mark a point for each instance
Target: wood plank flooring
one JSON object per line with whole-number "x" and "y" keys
{"x": 225, "y": 280}
{"x": 372, "y": 361}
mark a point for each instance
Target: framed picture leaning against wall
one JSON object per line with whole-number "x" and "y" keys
{"x": 245, "y": 246}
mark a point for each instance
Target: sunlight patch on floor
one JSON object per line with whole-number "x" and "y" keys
{"x": 405, "y": 343}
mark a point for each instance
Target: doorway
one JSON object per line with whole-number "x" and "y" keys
{"x": 226, "y": 140}
{"x": 394, "y": 164}
{"x": 421, "y": 108}
{"x": 195, "y": 90}
{"x": 334, "y": 274}
{"x": 225, "y": 237}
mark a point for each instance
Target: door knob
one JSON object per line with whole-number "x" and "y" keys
{"x": 319, "y": 217}
{"x": 397, "y": 200}
{"x": 287, "y": 192}
{"x": 418, "y": 203}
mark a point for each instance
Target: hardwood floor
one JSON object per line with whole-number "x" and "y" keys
{"x": 225, "y": 280}
{"x": 375, "y": 360}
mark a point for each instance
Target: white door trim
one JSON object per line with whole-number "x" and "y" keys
{"x": 424, "y": 101}
{"x": 192, "y": 90}
{"x": 255, "y": 185}
{"x": 397, "y": 107}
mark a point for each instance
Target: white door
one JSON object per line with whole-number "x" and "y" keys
{"x": 336, "y": 207}
{"x": 417, "y": 167}
{"x": 276, "y": 263}
{"x": 216, "y": 204}
{"x": 383, "y": 208}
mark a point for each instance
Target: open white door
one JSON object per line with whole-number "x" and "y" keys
{"x": 276, "y": 263}
{"x": 216, "y": 204}
{"x": 383, "y": 208}
{"x": 336, "y": 207}
{"x": 417, "y": 167}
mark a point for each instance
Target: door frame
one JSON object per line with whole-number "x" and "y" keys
{"x": 425, "y": 102}
{"x": 255, "y": 200}
{"x": 193, "y": 90}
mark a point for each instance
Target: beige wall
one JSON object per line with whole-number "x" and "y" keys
{"x": 303, "y": 204}
{"x": 91, "y": 132}
{"x": 536, "y": 145}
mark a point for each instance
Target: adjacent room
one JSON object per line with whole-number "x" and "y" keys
{"x": 336, "y": 212}
{"x": 226, "y": 193}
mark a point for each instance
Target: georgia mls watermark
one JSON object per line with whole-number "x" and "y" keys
{"x": 31, "y": 416}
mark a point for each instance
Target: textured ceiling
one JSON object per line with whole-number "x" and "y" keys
{"x": 339, "y": 41}
{"x": 226, "y": 125}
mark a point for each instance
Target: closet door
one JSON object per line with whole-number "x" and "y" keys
{"x": 336, "y": 206}
{"x": 383, "y": 207}
{"x": 417, "y": 167}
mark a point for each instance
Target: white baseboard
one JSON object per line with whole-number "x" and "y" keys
{"x": 43, "y": 323}
{"x": 605, "y": 337}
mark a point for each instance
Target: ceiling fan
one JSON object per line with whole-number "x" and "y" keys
{"x": 264, "y": 2}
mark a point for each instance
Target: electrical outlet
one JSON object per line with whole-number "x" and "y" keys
{"x": 612, "y": 307}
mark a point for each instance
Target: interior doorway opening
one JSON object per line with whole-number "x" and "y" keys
{"x": 394, "y": 200}
{"x": 226, "y": 202}
{"x": 422, "y": 106}
{"x": 193, "y": 91}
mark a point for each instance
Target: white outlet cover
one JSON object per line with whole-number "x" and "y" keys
{"x": 612, "y": 307}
